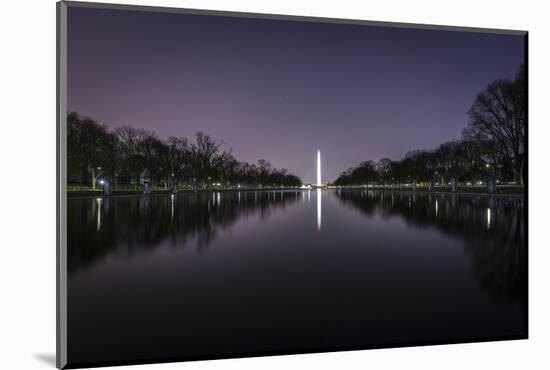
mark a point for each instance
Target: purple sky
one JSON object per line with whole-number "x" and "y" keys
{"x": 278, "y": 90}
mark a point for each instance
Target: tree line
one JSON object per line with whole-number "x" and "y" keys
{"x": 130, "y": 156}
{"x": 491, "y": 147}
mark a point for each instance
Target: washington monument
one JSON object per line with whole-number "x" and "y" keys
{"x": 319, "y": 183}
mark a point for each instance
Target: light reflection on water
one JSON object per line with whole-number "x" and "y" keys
{"x": 319, "y": 209}
{"x": 98, "y": 210}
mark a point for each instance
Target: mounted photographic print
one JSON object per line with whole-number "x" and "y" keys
{"x": 234, "y": 184}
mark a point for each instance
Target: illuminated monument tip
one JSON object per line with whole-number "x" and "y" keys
{"x": 318, "y": 167}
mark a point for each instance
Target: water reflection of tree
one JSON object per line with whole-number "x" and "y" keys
{"x": 123, "y": 226}
{"x": 493, "y": 230}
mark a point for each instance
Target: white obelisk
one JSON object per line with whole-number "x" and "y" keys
{"x": 319, "y": 185}
{"x": 318, "y": 167}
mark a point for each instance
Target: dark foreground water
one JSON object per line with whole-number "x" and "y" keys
{"x": 237, "y": 273}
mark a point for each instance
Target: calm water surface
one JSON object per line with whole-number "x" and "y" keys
{"x": 164, "y": 277}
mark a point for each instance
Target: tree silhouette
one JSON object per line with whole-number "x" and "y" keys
{"x": 128, "y": 154}
{"x": 499, "y": 114}
{"x": 493, "y": 144}
{"x": 90, "y": 149}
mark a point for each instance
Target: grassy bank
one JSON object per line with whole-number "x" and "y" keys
{"x": 502, "y": 190}
{"x": 83, "y": 192}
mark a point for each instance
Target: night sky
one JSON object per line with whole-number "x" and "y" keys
{"x": 278, "y": 90}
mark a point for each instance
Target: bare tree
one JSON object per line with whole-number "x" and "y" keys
{"x": 90, "y": 148}
{"x": 499, "y": 114}
{"x": 132, "y": 151}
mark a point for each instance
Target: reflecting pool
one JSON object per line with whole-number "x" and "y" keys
{"x": 230, "y": 273}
